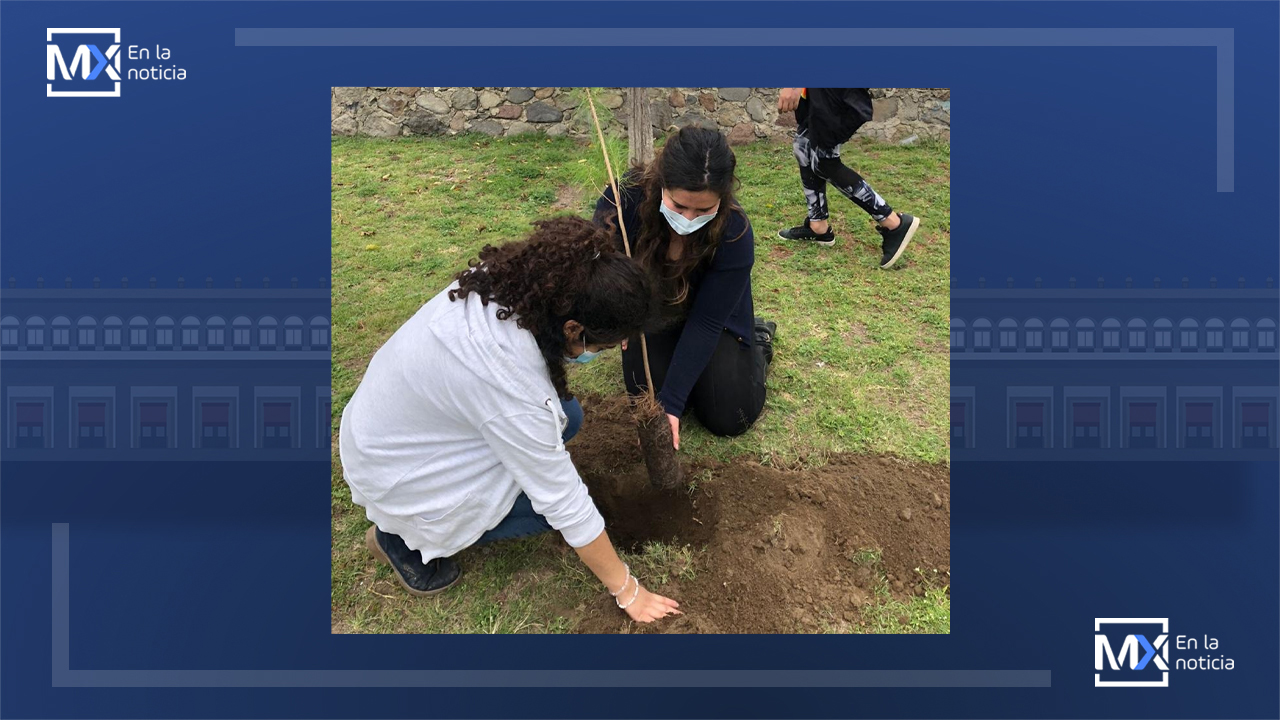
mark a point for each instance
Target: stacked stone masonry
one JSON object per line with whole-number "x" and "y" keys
{"x": 902, "y": 115}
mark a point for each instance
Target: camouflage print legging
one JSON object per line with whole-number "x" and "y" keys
{"x": 819, "y": 166}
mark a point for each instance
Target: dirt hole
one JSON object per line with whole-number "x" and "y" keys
{"x": 772, "y": 551}
{"x": 635, "y": 513}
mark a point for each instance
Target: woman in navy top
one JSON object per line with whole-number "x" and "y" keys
{"x": 691, "y": 235}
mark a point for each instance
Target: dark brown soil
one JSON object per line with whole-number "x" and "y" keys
{"x": 774, "y": 550}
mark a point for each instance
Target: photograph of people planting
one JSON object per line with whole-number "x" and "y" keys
{"x": 638, "y": 360}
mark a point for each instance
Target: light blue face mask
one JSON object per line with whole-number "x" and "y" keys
{"x": 586, "y": 356}
{"x": 681, "y": 224}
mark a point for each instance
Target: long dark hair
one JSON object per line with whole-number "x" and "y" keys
{"x": 567, "y": 269}
{"x": 693, "y": 159}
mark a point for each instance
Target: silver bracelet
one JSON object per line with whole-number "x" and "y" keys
{"x": 624, "y": 581}
{"x": 634, "y": 595}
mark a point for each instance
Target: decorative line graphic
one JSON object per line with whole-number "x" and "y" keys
{"x": 64, "y": 676}
{"x": 1221, "y": 39}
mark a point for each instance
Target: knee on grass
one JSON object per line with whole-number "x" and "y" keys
{"x": 722, "y": 424}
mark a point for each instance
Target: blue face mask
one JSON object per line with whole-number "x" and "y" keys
{"x": 681, "y": 224}
{"x": 586, "y": 356}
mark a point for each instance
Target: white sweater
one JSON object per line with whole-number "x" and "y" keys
{"x": 455, "y": 416}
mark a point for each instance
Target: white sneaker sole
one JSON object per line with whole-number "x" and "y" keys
{"x": 911, "y": 231}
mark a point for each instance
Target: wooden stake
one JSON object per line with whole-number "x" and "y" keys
{"x": 656, "y": 439}
{"x": 622, "y": 225}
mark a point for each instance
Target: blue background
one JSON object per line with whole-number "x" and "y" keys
{"x": 1067, "y": 162}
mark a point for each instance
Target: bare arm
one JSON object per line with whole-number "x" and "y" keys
{"x": 641, "y": 605}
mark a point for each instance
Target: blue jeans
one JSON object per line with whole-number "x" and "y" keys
{"x": 522, "y": 521}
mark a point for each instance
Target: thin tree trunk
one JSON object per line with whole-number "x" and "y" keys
{"x": 639, "y": 127}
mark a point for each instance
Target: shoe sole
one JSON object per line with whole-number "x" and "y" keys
{"x": 823, "y": 243}
{"x": 371, "y": 542}
{"x": 911, "y": 231}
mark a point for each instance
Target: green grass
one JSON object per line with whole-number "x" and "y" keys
{"x": 660, "y": 563}
{"x": 861, "y": 354}
{"x": 865, "y": 557}
{"x": 883, "y": 613}
{"x": 930, "y": 613}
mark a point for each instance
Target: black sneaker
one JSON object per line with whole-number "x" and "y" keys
{"x": 805, "y": 233}
{"x": 419, "y": 579}
{"x": 765, "y": 332}
{"x": 895, "y": 241}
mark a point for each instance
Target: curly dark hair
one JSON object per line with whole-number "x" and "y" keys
{"x": 567, "y": 269}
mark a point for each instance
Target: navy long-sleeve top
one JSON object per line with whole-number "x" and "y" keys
{"x": 719, "y": 291}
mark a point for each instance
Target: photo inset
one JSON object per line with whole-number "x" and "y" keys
{"x": 641, "y": 360}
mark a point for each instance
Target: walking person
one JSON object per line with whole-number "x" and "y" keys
{"x": 825, "y": 119}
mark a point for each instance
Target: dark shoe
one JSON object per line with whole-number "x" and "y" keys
{"x": 895, "y": 241}
{"x": 765, "y": 332}
{"x": 416, "y": 577}
{"x": 805, "y": 233}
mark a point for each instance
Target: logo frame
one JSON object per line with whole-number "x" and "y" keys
{"x": 110, "y": 57}
{"x": 1161, "y": 645}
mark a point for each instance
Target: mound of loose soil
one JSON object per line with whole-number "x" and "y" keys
{"x": 774, "y": 551}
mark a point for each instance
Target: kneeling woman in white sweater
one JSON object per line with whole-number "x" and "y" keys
{"x": 455, "y": 436}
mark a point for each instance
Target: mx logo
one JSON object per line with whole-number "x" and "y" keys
{"x": 1139, "y": 660}
{"x": 91, "y": 68}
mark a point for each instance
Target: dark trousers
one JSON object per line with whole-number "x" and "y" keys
{"x": 729, "y": 395}
{"x": 522, "y": 521}
{"x": 821, "y": 165}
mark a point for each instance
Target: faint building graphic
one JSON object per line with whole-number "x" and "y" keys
{"x": 1095, "y": 373}
{"x": 147, "y": 373}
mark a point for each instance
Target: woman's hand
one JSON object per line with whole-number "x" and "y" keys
{"x": 641, "y": 605}
{"x": 648, "y": 606}
{"x": 675, "y": 429}
{"x": 788, "y": 99}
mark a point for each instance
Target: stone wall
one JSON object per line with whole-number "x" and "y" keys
{"x": 902, "y": 115}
